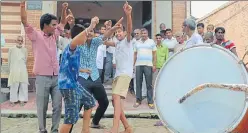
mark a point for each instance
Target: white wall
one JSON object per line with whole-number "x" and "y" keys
{"x": 163, "y": 11}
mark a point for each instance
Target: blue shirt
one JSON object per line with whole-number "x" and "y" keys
{"x": 69, "y": 69}
{"x": 88, "y": 58}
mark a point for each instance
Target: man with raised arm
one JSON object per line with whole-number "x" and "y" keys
{"x": 73, "y": 93}
{"x": 124, "y": 56}
{"x": 46, "y": 64}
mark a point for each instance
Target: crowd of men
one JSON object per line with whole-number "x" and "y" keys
{"x": 74, "y": 63}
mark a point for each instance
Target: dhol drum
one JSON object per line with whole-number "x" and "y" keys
{"x": 210, "y": 110}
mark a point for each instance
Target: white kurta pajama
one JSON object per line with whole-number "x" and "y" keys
{"x": 18, "y": 74}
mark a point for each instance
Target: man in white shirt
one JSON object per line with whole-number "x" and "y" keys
{"x": 101, "y": 54}
{"x": 124, "y": 71}
{"x": 64, "y": 41}
{"x": 170, "y": 41}
{"x": 189, "y": 26}
{"x": 2, "y": 43}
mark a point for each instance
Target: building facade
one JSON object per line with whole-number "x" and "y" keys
{"x": 233, "y": 17}
{"x": 172, "y": 13}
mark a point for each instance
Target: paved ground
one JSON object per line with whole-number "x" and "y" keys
{"x": 29, "y": 125}
{"x": 30, "y": 107}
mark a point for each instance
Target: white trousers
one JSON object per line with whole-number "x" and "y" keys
{"x": 19, "y": 92}
{"x": 144, "y": 89}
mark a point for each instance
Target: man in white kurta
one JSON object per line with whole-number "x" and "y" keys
{"x": 18, "y": 74}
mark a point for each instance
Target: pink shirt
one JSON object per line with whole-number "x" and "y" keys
{"x": 44, "y": 50}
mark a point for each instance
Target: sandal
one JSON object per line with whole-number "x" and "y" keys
{"x": 158, "y": 123}
{"x": 136, "y": 105}
{"x": 151, "y": 106}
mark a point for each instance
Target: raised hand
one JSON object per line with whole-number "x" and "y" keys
{"x": 65, "y": 5}
{"x": 127, "y": 8}
{"x": 70, "y": 18}
{"x": 23, "y": 2}
{"x": 64, "y": 13}
{"x": 94, "y": 22}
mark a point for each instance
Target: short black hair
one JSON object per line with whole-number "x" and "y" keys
{"x": 46, "y": 19}
{"x": 76, "y": 29}
{"x": 158, "y": 35}
{"x": 200, "y": 24}
{"x": 219, "y": 28}
{"x": 162, "y": 32}
{"x": 168, "y": 30}
{"x": 132, "y": 34}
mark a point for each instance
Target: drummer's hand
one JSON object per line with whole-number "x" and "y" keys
{"x": 154, "y": 68}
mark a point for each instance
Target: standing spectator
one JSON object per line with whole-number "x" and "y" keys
{"x": 210, "y": 28}
{"x": 18, "y": 74}
{"x": 162, "y": 26}
{"x": 101, "y": 54}
{"x": 65, "y": 40}
{"x": 137, "y": 36}
{"x": 170, "y": 41}
{"x": 145, "y": 62}
{"x": 220, "y": 40}
{"x": 46, "y": 64}
{"x": 181, "y": 41}
{"x": 200, "y": 29}
{"x": 2, "y": 44}
{"x": 162, "y": 55}
{"x": 189, "y": 26}
{"x": 209, "y": 37}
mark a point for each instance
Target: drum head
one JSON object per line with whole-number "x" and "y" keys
{"x": 208, "y": 111}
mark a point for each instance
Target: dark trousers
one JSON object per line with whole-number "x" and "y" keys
{"x": 131, "y": 86}
{"x": 147, "y": 71}
{"x": 99, "y": 93}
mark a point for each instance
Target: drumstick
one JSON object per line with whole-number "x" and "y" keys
{"x": 233, "y": 87}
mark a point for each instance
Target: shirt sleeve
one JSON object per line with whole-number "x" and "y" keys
{"x": 231, "y": 46}
{"x": 31, "y": 32}
{"x": 154, "y": 48}
{"x": 68, "y": 53}
{"x": 199, "y": 40}
{"x": 97, "y": 41}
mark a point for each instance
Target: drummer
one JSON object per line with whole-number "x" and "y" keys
{"x": 220, "y": 40}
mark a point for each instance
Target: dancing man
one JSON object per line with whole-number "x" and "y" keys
{"x": 73, "y": 93}
{"x": 46, "y": 64}
{"x": 124, "y": 56}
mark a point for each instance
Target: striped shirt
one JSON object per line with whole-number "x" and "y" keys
{"x": 144, "y": 52}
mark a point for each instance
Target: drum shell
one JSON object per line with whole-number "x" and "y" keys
{"x": 243, "y": 125}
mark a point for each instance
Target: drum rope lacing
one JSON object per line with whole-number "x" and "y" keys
{"x": 233, "y": 87}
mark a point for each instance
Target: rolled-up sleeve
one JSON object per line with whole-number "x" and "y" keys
{"x": 31, "y": 32}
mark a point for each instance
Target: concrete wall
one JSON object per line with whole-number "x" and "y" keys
{"x": 161, "y": 13}
{"x": 233, "y": 18}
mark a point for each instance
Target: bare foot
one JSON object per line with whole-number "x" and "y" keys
{"x": 128, "y": 130}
